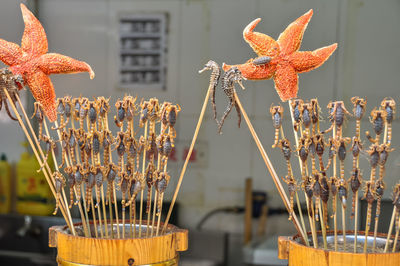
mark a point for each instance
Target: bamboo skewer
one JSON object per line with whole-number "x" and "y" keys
{"x": 301, "y": 170}
{"x": 323, "y": 226}
{"x": 189, "y": 154}
{"x": 355, "y": 223}
{"x": 389, "y": 234}
{"x": 396, "y": 236}
{"x": 63, "y": 208}
{"x": 270, "y": 167}
{"x": 301, "y": 217}
{"x": 143, "y": 171}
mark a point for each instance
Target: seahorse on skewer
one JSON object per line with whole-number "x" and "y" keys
{"x": 214, "y": 78}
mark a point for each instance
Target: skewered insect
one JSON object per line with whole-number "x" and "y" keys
{"x": 356, "y": 147}
{"x": 358, "y": 111}
{"x": 342, "y": 154}
{"x": 107, "y": 139}
{"x": 120, "y": 117}
{"x": 378, "y": 120}
{"x": 331, "y": 152}
{"x": 124, "y": 188}
{"x": 337, "y": 114}
{"x": 325, "y": 197}
{"x": 96, "y": 147}
{"x": 316, "y": 188}
{"x": 79, "y": 172}
{"x": 59, "y": 183}
{"x": 306, "y": 110}
{"x": 369, "y": 195}
{"x": 161, "y": 184}
{"x": 303, "y": 153}
{"x": 296, "y": 112}
{"x": 379, "y": 190}
{"x": 319, "y": 149}
{"x": 149, "y": 176}
{"x": 232, "y": 76}
{"x": 342, "y": 191}
{"x": 71, "y": 182}
{"x": 164, "y": 116}
{"x": 144, "y": 113}
{"x": 90, "y": 183}
{"x": 333, "y": 181}
{"x": 99, "y": 178}
{"x": 292, "y": 188}
{"x": 171, "y": 112}
{"x": 286, "y": 151}
{"x": 214, "y": 78}
{"x": 315, "y": 115}
{"x": 111, "y": 173}
{"x": 72, "y": 144}
{"x": 277, "y": 117}
{"x": 83, "y": 110}
{"x": 355, "y": 183}
{"x": 92, "y": 115}
{"x": 374, "y": 159}
{"x": 389, "y": 105}
{"x": 136, "y": 185}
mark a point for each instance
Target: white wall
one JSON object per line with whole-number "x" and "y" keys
{"x": 365, "y": 64}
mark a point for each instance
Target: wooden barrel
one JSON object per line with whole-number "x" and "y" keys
{"x": 298, "y": 254}
{"x": 157, "y": 251}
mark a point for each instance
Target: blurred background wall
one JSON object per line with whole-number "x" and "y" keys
{"x": 366, "y": 64}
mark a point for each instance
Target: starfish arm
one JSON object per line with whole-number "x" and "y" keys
{"x": 262, "y": 44}
{"x": 306, "y": 61}
{"x": 43, "y": 91}
{"x": 10, "y": 53}
{"x": 253, "y": 72}
{"x": 53, "y": 63}
{"x": 290, "y": 39}
{"x": 286, "y": 81}
{"x": 34, "y": 40}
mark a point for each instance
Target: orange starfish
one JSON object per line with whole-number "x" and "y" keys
{"x": 34, "y": 64}
{"x": 281, "y": 59}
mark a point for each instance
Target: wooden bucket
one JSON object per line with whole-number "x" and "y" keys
{"x": 78, "y": 250}
{"x": 292, "y": 249}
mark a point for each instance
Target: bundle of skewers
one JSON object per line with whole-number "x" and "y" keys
{"x": 321, "y": 154}
{"x": 324, "y": 178}
{"x": 85, "y": 164}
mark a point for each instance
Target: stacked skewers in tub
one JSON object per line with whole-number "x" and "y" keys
{"x": 95, "y": 159}
{"x": 323, "y": 177}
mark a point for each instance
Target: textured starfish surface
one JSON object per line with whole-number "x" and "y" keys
{"x": 284, "y": 59}
{"x": 34, "y": 64}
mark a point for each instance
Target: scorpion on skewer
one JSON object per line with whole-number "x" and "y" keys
{"x": 214, "y": 78}
{"x": 358, "y": 111}
{"x": 374, "y": 160}
{"x": 337, "y": 114}
{"x": 161, "y": 184}
{"x": 315, "y": 115}
{"x": 71, "y": 183}
{"x": 296, "y": 112}
{"x": 171, "y": 112}
{"x": 120, "y": 117}
{"x": 232, "y": 76}
{"x": 306, "y": 112}
{"x": 389, "y": 105}
{"x": 378, "y": 120}
{"x": 50, "y": 145}
{"x": 355, "y": 183}
{"x": 59, "y": 183}
{"x": 277, "y": 117}
{"x": 144, "y": 113}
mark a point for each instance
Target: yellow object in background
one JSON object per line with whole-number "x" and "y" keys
{"x": 34, "y": 196}
{"x": 5, "y": 185}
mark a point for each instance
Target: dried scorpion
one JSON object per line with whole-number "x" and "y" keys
{"x": 374, "y": 160}
{"x": 171, "y": 112}
{"x": 306, "y": 111}
{"x": 50, "y": 145}
{"x": 342, "y": 184}
{"x": 71, "y": 183}
{"x": 296, "y": 112}
{"x": 378, "y": 120}
{"x": 337, "y": 113}
{"x": 315, "y": 115}
{"x": 214, "y": 78}
{"x": 120, "y": 117}
{"x": 358, "y": 111}
{"x": 355, "y": 183}
{"x": 277, "y": 117}
{"x": 389, "y": 105}
{"x": 59, "y": 183}
{"x": 232, "y": 76}
{"x": 161, "y": 184}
